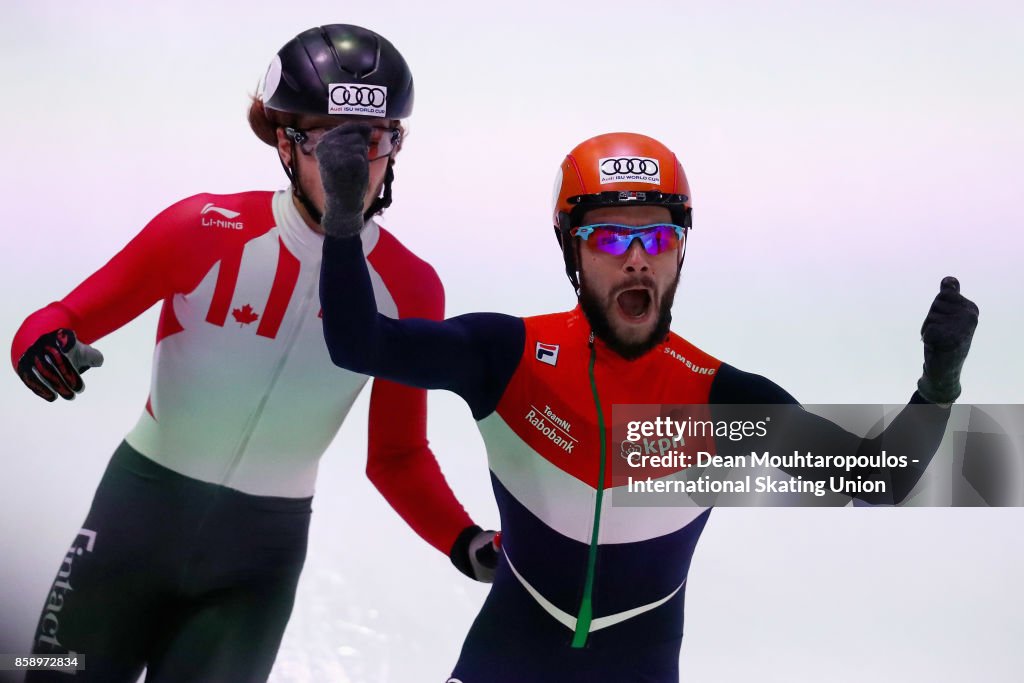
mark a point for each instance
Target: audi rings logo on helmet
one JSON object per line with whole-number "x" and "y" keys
{"x": 365, "y": 100}
{"x": 629, "y": 169}
{"x": 366, "y": 96}
{"x": 629, "y": 165}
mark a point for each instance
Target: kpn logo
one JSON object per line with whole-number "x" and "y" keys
{"x": 636, "y": 451}
{"x": 209, "y": 217}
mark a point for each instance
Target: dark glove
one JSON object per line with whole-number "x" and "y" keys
{"x": 475, "y": 553}
{"x": 946, "y": 333}
{"x": 54, "y": 363}
{"x": 345, "y": 174}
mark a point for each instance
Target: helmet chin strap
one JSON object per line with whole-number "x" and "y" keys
{"x": 569, "y": 255}
{"x": 382, "y": 201}
{"x": 314, "y": 213}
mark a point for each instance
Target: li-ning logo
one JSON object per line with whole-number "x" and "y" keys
{"x": 547, "y": 353}
{"x": 211, "y": 222}
{"x": 227, "y": 213}
{"x": 629, "y": 169}
{"x": 50, "y": 622}
{"x": 367, "y": 100}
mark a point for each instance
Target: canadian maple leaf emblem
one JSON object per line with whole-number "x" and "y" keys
{"x": 244, "y": 315}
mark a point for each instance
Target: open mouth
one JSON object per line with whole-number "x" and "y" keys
{"x": 634, "y": 304}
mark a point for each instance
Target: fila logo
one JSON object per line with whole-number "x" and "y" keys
{"x": 227, "y": 213}
{"x": 547, "y": 353}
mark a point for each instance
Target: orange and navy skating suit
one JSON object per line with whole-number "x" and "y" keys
{"x": 585, "y": 590}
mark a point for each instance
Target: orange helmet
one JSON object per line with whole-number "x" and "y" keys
{"x": 616, "y": 169}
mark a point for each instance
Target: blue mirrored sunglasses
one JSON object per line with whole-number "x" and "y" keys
{"x": 614, "y": 239}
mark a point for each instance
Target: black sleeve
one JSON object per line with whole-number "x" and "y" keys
{"x": 473, "y": 355}
{"x": 916, "y": 432}
{"x": 733, "y": 387}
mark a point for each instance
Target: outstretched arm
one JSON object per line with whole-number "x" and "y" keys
{"x": 916, "y": 432}
{"x": 473, "y": 355}
{"x": 168, "y": 255}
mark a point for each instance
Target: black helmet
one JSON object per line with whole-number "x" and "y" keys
{"x": 339, "y": 70}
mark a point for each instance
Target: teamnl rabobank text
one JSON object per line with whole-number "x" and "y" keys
{"x": 662, "y": 433}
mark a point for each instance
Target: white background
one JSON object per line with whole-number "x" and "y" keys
{"x": 842, "y": 156}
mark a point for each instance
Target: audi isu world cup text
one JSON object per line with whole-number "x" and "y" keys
{"x": 629, "y": 169}
{"x": 364, "y": 100}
